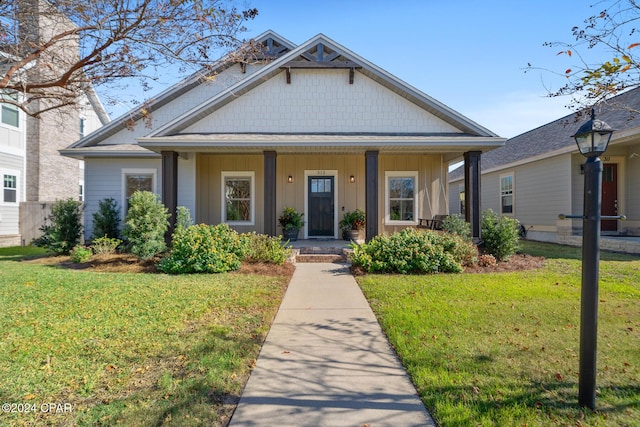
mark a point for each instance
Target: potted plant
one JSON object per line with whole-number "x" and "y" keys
{"x": 351, "y": 224}
{"x": 291, "y": 222}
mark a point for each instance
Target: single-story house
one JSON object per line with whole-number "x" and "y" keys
{"x": 538, "y": 175}
{"x": 315, "y": 127}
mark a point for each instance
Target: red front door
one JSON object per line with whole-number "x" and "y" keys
{"x": 609, "y": 196}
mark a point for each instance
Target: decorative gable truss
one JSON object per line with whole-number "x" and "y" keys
{"x": 268, "y": 50}
{"x": 320, "y": 56}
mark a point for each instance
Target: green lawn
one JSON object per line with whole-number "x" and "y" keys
{"x": 502, "y": 349}
{"x": 127, "y": 349}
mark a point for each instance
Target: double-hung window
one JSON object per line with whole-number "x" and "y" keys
{"x": 506, "y": 194}
{"x": 137, "y": 180}
{"x": 401, "y": 197}
{"x": 238, "y": 198}
{"x": 10, "y": 188}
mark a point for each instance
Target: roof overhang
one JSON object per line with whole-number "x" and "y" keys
{"x": 109, "y": 151}
{"x": 319, "y": 143}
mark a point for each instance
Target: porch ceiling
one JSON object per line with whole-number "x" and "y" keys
{"x": 321, "y": 143}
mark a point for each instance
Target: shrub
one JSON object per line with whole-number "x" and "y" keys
{"x": 183, "y": 218}
{"x": 409, "y": 251}
{"x": 105, "y": 245}
{"x": 145, "y": 225}
{"x": 487, "y": 260}
{"x": 462, "y": 250}
{"x": 80, "y": 254}
{"x": 65, "y": 229}
{"x": 106, "y": 221}
{"x": 500, "y": 235}
{"x": 455, "y": 224}
{"x": 204, "y": 249}
{"x": 263, "y": 248}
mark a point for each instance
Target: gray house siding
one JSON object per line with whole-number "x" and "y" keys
{"x": 104, "y": 179}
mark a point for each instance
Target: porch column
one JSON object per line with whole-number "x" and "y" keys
{"x": 270, "y": 193}
{"x": 170, "y": 188}
{"x": 472, "y": 208}
{"x": 371, "y": 194}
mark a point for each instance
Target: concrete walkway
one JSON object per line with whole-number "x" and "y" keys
{"x": 326, "y": 362}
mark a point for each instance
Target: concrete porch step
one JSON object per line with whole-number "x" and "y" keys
{"x": 315, "y": 254}
{"x": 330, "y": 258}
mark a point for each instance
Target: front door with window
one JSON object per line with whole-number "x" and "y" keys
{"x": 609, "y": 196}
{"x": 320, "y": 212}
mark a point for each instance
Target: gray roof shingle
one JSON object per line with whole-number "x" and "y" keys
{"x": 617, "y": 112}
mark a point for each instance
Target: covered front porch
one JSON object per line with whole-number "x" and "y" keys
{"x": 395, "y": 180}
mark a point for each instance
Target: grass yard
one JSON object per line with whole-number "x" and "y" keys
{"x": 127, "y": 349}
{"x": 502, "y": 349}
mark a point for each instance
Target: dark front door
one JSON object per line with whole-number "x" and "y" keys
{"x": 609, "y": 196}
{"x": 320, "y": 212}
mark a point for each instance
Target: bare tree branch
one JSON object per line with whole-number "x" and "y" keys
{"x": 51, "y": 51}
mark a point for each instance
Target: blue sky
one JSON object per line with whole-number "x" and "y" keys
{"x": 467, "y": 54}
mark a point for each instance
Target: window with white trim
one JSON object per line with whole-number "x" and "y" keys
{"x": 401, "y": 197}
{"x": 506, "y": 194}
{"x": 238, "y": 198}
{"x": 137, "y": 180}
{"x": 10, "y": 188}
{"x": 9, "y": 113}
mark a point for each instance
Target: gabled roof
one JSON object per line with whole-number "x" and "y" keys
{"x": 317, "y": 50}
{"x": 280, "y": 55}
{"x": 276, "y": 45}
{"x": 554, "y": 138}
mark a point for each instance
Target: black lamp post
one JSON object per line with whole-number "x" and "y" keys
{"x": 592, "y": 138}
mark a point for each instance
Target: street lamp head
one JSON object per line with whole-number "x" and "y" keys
{"x": 593, "y": 137}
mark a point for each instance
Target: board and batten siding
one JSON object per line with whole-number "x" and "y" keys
{"x": 432, "y": 186}
{"x": 350, "y": 196}
{"x": 208, "y": 185}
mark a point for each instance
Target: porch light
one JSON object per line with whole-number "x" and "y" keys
{"x": 290, "y": 179}
{"x": 352, "y": 179}
{"x": 593, "y": 137}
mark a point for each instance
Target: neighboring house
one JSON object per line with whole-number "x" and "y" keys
{"x": 538, "y": 175}
{"x": 314, "y": 127}
{"x": 33, "y": 173}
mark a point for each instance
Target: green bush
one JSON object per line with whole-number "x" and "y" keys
{"x": 204, "y": 249}
{"x": 106, "y": 222}
{"x": 183, "y": 218}
{"x": 145, "y": 225}
{"x": 500, "y": 235}
{"x": 263, "y": 248}
{"x": 455, "y": 224}
{"x": 412, "y": 251}
{"x": 105, "y": 245}
{"x": 80, "y": 254}
{"x": 65, "y": 229}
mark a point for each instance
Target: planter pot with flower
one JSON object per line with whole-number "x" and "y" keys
{"x": 291, "y": 222}
{"x": 351, "y": 224}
